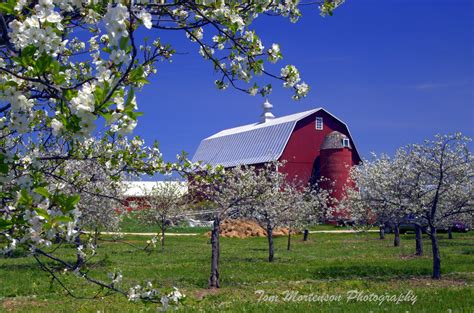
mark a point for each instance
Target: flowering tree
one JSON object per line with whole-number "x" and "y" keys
{"x": 306, "y": 205}
{"x": 446, "y": 191}
{"x": 99, "y": 185}
{"x": 382, "y": 191}
{"x": 163, "y": 202}
{"x": 227, "y": 193}
{"x": 430, "y": 182}
{"x": 50, "y": 212}
{"x": 99, "y": 188}
{"x": 462, "y": 220}
{"x": 68, "y": 66}
{"x": 280, "y": 203}
{"x": 383, "y": 194}
{"x": 358, "y": 204}
{"x": 269, "y": 207}
{"x": 297, "y": 215}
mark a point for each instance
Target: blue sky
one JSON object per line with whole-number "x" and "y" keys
{"x": 396, "y": 71}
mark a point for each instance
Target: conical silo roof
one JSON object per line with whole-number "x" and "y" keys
{"x": 335, "y": 140}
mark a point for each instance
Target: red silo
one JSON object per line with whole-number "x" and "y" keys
{"x": 336, "y": 162}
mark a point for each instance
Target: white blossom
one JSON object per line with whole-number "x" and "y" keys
{"x": 290, "y": 75}
{"x": 56, "y": 126}
{"x": 146, "y": 19}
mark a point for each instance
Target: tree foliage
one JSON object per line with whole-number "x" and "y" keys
{"x": 69, "y": 68}
{"x": 163, "y": 202}
{"x": 429, "y": 184}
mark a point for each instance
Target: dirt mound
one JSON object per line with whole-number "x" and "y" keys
{"x": 245, "y": 228}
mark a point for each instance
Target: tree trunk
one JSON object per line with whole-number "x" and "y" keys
{"x": 270, "y": 243}
{"x": 382, "y": 232}
{"x": 163, "y": 226}
{"x": 163, "y": 239}
{"x": 450, "y": 233}
{"x": 289, "y": 240}
{"x": 436, "y": 258}
{"x": 396, "y": 240}
{"x": 305, "y": 235}
{"x": 96, "y": 236}
{"x": 79, "y": 258}
{"x": 419, "y": 240}
{"x": 214, "y": 278}
{"x": 57, "y": 238}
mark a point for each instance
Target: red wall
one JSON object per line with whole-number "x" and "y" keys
{"x": 305, "y": 142}
{"x": 335, "y": 166}
{"x": 134, "y": 203}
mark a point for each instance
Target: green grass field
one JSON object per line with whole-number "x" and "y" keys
{"x": 130, "y": 224}
{"x": 331, "y": 264}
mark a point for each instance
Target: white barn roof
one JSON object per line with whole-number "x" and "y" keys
{"x": 252, "y": 143}
{"x": 140, "y": 188}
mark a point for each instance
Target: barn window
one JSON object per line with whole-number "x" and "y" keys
{"x": 345, "y": 142}
{"x": 319, "y": 123}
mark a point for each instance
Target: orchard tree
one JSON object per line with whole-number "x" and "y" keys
{"x": 359, "y": 206}
{"x": 270, "y": 208}
{"x": 297, "y": 215}
{"x": 99, "y": 185}
{"x": 382, "y": 191}
{"x": 100, "y": 190}
{"x": 281, "y": 203}
{"x": 35, "y": 221}
{"x": 430, "y": 182}
{"x": 306, "y": 206}
{"x": 68, "y": 66}
{"x": 446, "y": 169}
{"x": 165, "y": 201}
{"x": 228, "y": 193}
{"x": 462, "y": 220}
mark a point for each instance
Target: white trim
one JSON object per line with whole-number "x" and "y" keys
{"x": 279, "y": 120}
{"x": 140, "y": 188}
{"x": 346, "y": 143}
{"x": 319, "y": 119}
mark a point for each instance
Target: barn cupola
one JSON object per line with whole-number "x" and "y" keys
{"x": 267, "y": 114}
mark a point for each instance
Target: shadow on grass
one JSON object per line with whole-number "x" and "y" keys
{"x": 19, "y": 267}
{"x": 358, "y": 271}
{"x": 451, "y": 243}
{"x": 259, "y": 249}
{"x": 32, "y": 265}
{"x": 15, "y": 254}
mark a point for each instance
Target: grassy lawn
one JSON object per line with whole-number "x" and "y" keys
{"x": 133, "y": 226}
{"x": 328, "y": 227}
{"x": 330, "y": 264}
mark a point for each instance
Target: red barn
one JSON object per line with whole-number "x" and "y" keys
{"x": 313, "y": 143}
